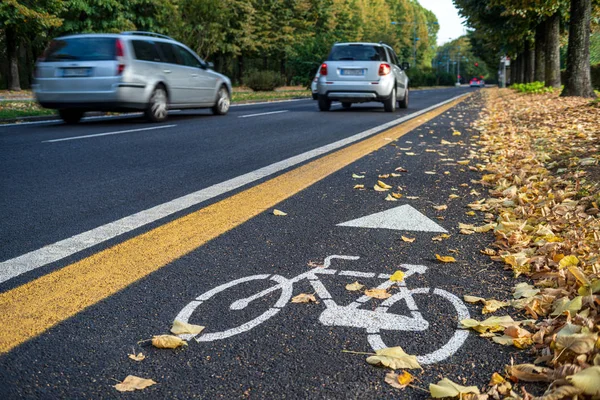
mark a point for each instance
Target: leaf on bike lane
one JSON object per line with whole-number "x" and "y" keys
{"x": 383, "y": 185}
{"x": 353, "y": 287}
{"x": 492, "y": 324}
{"x": 399, "y": 381}
{"x": 407, "y": 239}
{"x": 447, "y": 388}
{"x": 304, "y": 298}
{"x": 279, "y": 213}
{"x": 168, "y": 342}
{"x": 445, "y": 259}
{"x": 378, "y": 293}
{"x": 397, "y": 276}
{"x": 137, "y": 357}
{"x": 394, "y": 358}
{"x": 180, "y": 328}
{"x": 132, "y": 383}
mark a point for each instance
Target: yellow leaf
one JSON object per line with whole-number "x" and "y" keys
{"x": 447, "y": 388}
{"x": 440, "y": 237}
{"x": 356, "y": 176}
{"x": 580, "y": 343}
{"x": 397, "y": 195}
{"x": 279, "y": 213}
{"x": 353, "y": 287}
{"x": 132, "y": 383}
{"x": 520, "y": 343}
{"x": 397, "y": 276}
{"x": 440, "y": 208}
{"x": 579, "y": 275}
{"x": 394, "y": 175}
{"x": 455, "y": 133}
{"x": 410, "y": 154}
{"x": 384, "y": 176}
{"x": 180, "y": 327}
{"x": 400, "y": 169}
{"x": 564, "y": 304}
{"x": 454, "y": 196}
{"x": 137, "y": 357}
{"x": 389, "y": 197}
{"x": 463, "y": 162}
{"x": 168, "y": 342}
{"x": 394, "y": 358}
{"x": 524, "y": 290}
{"x": 470, "y": 213}
{"x": 359, "y": 186}
{"x": 377, "y": 293}
{"x": 407, "y": 239}
{"x": 379, "y": 188}
{"x": 568, "y": 261}
{"x": 430, "y": 172}
{"x": 445, "y": 142}
{"x": 399, "y": 381}
{"x": 528, "y": 373}
{"x": 473, "y": 299}
{"x": 496, "y": 379}
{"x": 491, "y": 324}
{"x": 493, "y": 305}
{"x": 383, "y": 185}
{"x": 445, "y": 259}
{"x": 304, "y": 298}
{"x": 587, "y": 380}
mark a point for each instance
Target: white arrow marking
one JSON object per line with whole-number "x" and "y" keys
{"x": 403, "y": 218}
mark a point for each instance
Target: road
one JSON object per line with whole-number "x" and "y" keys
{"x": 112, "y": 228}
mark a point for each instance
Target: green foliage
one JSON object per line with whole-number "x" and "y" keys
{"x": 532, "y": 88}
{"x": 595, "y": 74}
{"x": 595, "y": 48}
{"x": 262, "y": 80}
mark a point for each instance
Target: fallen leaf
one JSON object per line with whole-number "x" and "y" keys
{"x": 491, "y": 324}
{"x": 384, "y": 176}
{"x": 353, "y": 287}
{"x": 455, "y": 133}
{"x": 379, "y": 189}
{"x": 488, "y": 252}
{"x": 521, "y": 343}
{"x": 568, "y": 261}
{"x": 430, "y": 172}
{"x": 393, "y": 175}
{"x": 131, "y": 383}
{"x": 394, "y": 358}
{"x": 440, "y": 208}
{"x": 407, "y": 239}
{"x": 279, "y": 213}
{"x": 359, "y": 186}
{"x": 304, "y": 298}
{"x": 397, "y": 195}
{"x": 389, "y": 197}
{"x": 587, "y": 380}
{"x": 491, "y": 306}
{"x": 383, "y": 185}
{"x": 528, "y": 373}
{"x": 580, "y": 343}
{"x": 445, "y": 259}
{"x": 399, "y": 381}
{"x": 447, "y": 388}
{"x": 453, "y": 196}
{"x": 397, "y": 276}
{"x": 463, "y": 162}
{"x": 440, "y": 237}
{"x": 137, "y": 357}
{"x": 377, "y": 293}
{"x": 496, "y": 379}
{"x": 412, "y": 197}
{"x": 356, "y": 176}
{"x": 180, "y": 327}
{"x": 524, "y": 290}
{"x": 410, "y": 154}
{"x": 564, "y": 304}
{"x": 473, "y": 299}
{"x": 168, "y": 342}
{"x": 400, "y": 169}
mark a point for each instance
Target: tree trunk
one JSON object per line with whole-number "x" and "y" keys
{"x": 529, "y": 62}
{"x": 553, "y": 51}
{"x": 540, "y": 55}
{"x": 578, "y": 80}
{"x": 513, "y": 70}
{"x": 521, "y": 65}
{"x": 13, "y": 59}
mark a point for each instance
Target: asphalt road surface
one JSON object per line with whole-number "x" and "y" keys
{"x": 113, "y": 228}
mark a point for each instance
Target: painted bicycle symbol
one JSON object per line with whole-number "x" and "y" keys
{"x": 373, "y": 321}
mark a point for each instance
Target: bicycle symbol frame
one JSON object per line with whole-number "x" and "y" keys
{"x": 373, "y": 321}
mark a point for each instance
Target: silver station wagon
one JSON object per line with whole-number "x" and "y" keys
{"x": 126, "y": 72}
{"x": 362, "y": 72}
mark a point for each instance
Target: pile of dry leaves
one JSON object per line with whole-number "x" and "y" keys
{"x": 539, "y": 159}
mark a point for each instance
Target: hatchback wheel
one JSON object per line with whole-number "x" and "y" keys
{"x": 404, "y": 102}
{"x": 389, "y": 105}
{"x": 157, "y": 109}
{"x": 223, "y": 102}
{"x": 324, "y": 103}
{"x": 70, "y": 116}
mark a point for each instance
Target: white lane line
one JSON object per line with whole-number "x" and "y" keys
{"x": 74, "y": 244}
{"x": 265, "y": 113}
{"x": 108, "y": 133}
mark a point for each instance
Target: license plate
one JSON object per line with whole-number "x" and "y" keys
{"x": 76, "y": 72}
{"x": 353, "y": 72}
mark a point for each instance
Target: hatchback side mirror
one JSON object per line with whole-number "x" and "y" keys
{"x": 405, "y": 66}
{"x": 210, "y": 65}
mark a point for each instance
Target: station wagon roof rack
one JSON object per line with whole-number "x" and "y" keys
{"x": 143, "y": 33}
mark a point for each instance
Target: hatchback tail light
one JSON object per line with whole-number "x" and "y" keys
{"x": 119, "y": 53}
{"x": 324, "y": 69}
{"x": 384, "y": 69}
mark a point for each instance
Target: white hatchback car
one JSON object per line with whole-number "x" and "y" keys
{"x": 126, "y": 72}
{"x": 363, "y": 72}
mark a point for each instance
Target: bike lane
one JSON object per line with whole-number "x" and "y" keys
{"x": 298, "y": 351}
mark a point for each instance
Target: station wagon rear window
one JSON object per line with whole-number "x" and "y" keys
{"x": 357, "y": 52}
{"x": 81, "y": 49}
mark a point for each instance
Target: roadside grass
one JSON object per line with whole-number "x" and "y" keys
{"x": 10, "y": 109}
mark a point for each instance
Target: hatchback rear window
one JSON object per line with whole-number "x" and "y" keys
{"x": 358, "y": 52}
{"x": 81, "y": 49}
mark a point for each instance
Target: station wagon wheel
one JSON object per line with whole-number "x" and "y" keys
{"x": 404, "y": 102}
{"x": 157, "y": 109}
{"x": 70, "y": 116}
{"x": 223, "y": 102}
{"x": 389, "y": 105}
{"x": 346, "y": 105}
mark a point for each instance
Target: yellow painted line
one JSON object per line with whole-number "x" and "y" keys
{"x": 33, "y": 308}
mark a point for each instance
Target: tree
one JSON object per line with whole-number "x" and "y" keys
{"x": 578, "y": 80}
{"x": 21, "y": 20}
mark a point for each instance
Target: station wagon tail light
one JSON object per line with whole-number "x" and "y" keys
{"x": 384, "y": 69}
{"x": 119, "y": 53}
{"x": 324, "y": 69}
